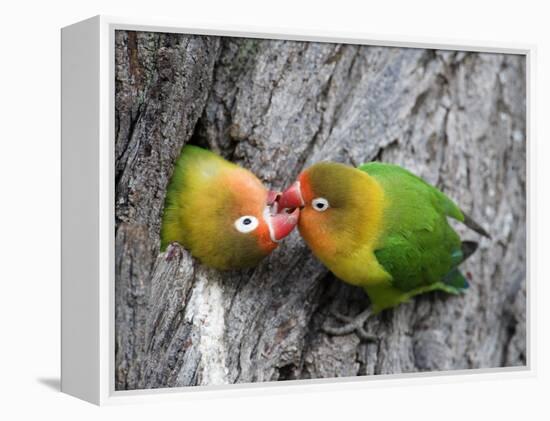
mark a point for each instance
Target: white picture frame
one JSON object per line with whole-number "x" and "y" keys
{"x": 88, "y": 212}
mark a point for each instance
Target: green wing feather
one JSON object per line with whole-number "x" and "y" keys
{"x": 418, "y": 247}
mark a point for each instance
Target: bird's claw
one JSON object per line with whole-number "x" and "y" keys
{"x": 366, "y": 336}
{"x": 352, "y": 324}
{"x": 341, "y": 317}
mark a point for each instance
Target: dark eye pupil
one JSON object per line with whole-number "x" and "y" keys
{"x": 320, "y": 205}
{"x": 247, "y": 221}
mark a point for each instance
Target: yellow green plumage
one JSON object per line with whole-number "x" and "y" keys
{"x": 205, "y": 197}
{"x": 385, "y": 230}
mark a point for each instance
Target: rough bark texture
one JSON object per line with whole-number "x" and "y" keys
{"x": 275, "y": 107}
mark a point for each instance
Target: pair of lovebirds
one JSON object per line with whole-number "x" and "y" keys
{"x": 377, "y": 226}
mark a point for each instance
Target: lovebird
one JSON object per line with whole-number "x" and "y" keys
{"x": 221, "y": 213}
{"x": 381, "y": 228}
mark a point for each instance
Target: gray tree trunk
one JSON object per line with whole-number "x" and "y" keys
{"x": 275, "y": 107}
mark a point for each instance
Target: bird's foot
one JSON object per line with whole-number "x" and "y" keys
{"x": 351, "y": 324}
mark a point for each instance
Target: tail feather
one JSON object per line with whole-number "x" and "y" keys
{"x": 470, "y": 223}
{"x": 456, "y": 280}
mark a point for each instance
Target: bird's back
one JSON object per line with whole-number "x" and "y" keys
{"x": 417, "y": 247}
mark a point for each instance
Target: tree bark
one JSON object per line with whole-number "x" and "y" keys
{"x": 457, "y": 119}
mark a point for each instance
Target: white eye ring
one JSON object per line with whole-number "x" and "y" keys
{"x": 320, "y": 204}
{"x": 246, "y": 224}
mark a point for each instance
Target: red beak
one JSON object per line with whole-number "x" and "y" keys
{"x": 292, "y": 197}
{"x": 282, "y": 224}
{"x": 272, "y": 197}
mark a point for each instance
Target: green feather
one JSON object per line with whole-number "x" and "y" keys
{"x": 418, "y": 247}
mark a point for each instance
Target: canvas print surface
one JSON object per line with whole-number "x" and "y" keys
{"x": 302, "y": 210}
